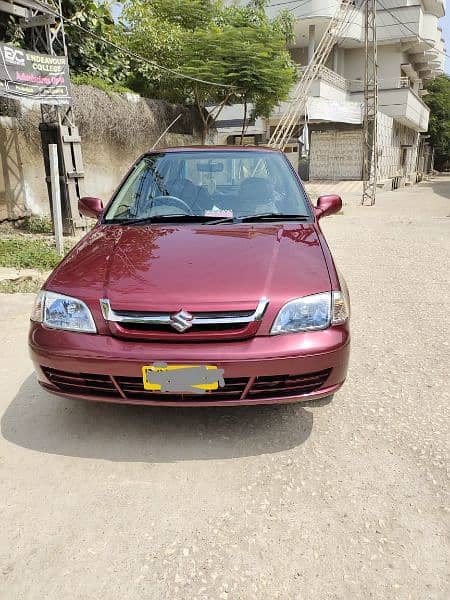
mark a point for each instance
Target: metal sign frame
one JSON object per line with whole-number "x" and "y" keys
{"x": 46, "y": 25}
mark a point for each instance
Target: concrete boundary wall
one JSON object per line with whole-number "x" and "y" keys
{"x": 115, "y": 129}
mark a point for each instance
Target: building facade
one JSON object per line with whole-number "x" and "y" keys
{"x": 410, "y": 52}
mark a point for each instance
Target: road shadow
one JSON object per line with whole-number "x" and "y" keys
{"x": 319, "y": 402}
{"x": 42, "y": 422}
{"x": 441, "y": 186}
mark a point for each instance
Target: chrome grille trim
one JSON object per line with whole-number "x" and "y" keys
{"x": 166, "y": 318}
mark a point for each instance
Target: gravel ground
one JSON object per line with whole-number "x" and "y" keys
{"x": 340, "y": 500}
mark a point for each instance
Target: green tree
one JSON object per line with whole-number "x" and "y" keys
{"x": 89, "y": 55}
{"x": 206, "y": 56}
{"x": 151, "y": 35}
{"x": 235, "y": 47}
{"x": 91, "y": 59}
{"x": 438, "y": 99}
{"x": 184, "y": 36}
{"x": 266, "y": 71}
{"x": 188, "y": 14}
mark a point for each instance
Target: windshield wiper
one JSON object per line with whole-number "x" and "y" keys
{"x": 260, "y": 217}
{"x": 207, "y": 220}
{"x": 222, "y": 220}
{"x": 177, "y": 217}
{"x": 274, "y": 217}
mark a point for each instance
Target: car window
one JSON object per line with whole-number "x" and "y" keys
{"x": 129, "y": 190}
{"x": 222, "y": 183}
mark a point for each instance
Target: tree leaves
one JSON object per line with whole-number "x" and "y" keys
{"x": 438, "y": 99}
{"x": 88, "y": 55}
{"x": 236, "y": 46}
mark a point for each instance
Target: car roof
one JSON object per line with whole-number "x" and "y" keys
{"x": 214, "y": 148}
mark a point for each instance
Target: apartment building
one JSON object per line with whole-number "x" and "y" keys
{"x": 410, "y": 52}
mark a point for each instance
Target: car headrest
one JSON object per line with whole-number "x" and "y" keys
{"x": 258, "y": 188}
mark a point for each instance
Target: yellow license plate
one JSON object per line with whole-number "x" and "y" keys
{"x": 182, "y": 378}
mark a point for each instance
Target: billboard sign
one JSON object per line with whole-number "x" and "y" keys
{"x": 40, "y": 77}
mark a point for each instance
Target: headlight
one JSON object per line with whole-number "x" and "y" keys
{"x": 62, "y": 312}
{"x": 311, "y": 313}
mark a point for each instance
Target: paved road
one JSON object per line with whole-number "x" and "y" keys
{"x": 335, "y": 501}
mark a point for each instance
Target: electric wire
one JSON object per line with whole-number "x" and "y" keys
{"x": 133, "y": 54}
{"x": 176, "y": 73}
{"x": 289, "y": 2}
{"x": 409, "y": 28}
{"x": 354, "y": 13}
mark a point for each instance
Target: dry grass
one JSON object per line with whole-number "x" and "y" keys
{"x": 26, "y": 286}
{"x": 124, "y": 118}
{"x": 109, "y": 117}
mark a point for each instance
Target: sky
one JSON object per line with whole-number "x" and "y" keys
{"x": 444, "y": 22}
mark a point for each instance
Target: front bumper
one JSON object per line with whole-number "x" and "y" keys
{"x": 262, "y": 370}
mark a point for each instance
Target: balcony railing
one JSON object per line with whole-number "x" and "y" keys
{"x": 326, "y": 74}
{"x": 356, "y": 85}
{"x": 392, "y": 83}
{"x": 334, "y": 78}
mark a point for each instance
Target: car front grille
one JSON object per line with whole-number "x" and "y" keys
{"x": 132, "y": 387}
{"x": 193, "y": 327}
{"x": 240, "y": 388}
{"x": 82, "y": 383}
{"x": 287, "y": 385}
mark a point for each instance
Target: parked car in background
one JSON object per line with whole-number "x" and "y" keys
{"x": 206, "y": 281}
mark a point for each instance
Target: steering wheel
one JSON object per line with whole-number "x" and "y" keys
{"x": 171, "y": 201}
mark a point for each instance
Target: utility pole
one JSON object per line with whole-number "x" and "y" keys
{"x": 58, "y": 123}
{"x": 370, "y": 104}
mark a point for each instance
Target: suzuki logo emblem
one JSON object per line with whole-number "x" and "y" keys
{"x": 181, "y": 321}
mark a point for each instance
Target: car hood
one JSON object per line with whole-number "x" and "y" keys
{"x": 201, "y": 267}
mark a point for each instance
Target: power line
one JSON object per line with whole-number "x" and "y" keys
{"x": 409, "y": 28}
{"x": 204, "y": 81}
{"x": 355, "y": 12}
{"x": 312, "y": 12}
{"x": 351, "y": 18}
{"x": 146, "y": 60}
{"x": 133, "y": 54}
{"x": 299, "y": 3}
{"x": 289, "y": 118}
{"x": 289, "y": 2}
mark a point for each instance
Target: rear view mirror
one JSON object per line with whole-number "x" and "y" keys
{"x": 210, "y": 167}
{"x": 328, "y": 205}
{"x": 90, "y": 207}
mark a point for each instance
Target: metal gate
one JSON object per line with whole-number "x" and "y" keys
{"x": 336, "y": 155}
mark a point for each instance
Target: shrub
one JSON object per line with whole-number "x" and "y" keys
{"x": 22, "y": 253}
{"x": 38, "y": 225}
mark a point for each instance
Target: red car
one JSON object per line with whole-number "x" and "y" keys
{"x": 206, "y": 281}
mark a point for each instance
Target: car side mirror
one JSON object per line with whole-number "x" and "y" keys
{"x": 90, "y": 207}
{"x": 328, "y": 205}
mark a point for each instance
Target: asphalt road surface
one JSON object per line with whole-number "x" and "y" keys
{"x": 337, "y": 500}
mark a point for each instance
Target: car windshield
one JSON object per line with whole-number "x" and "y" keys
{"x": 209, "y": 185}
